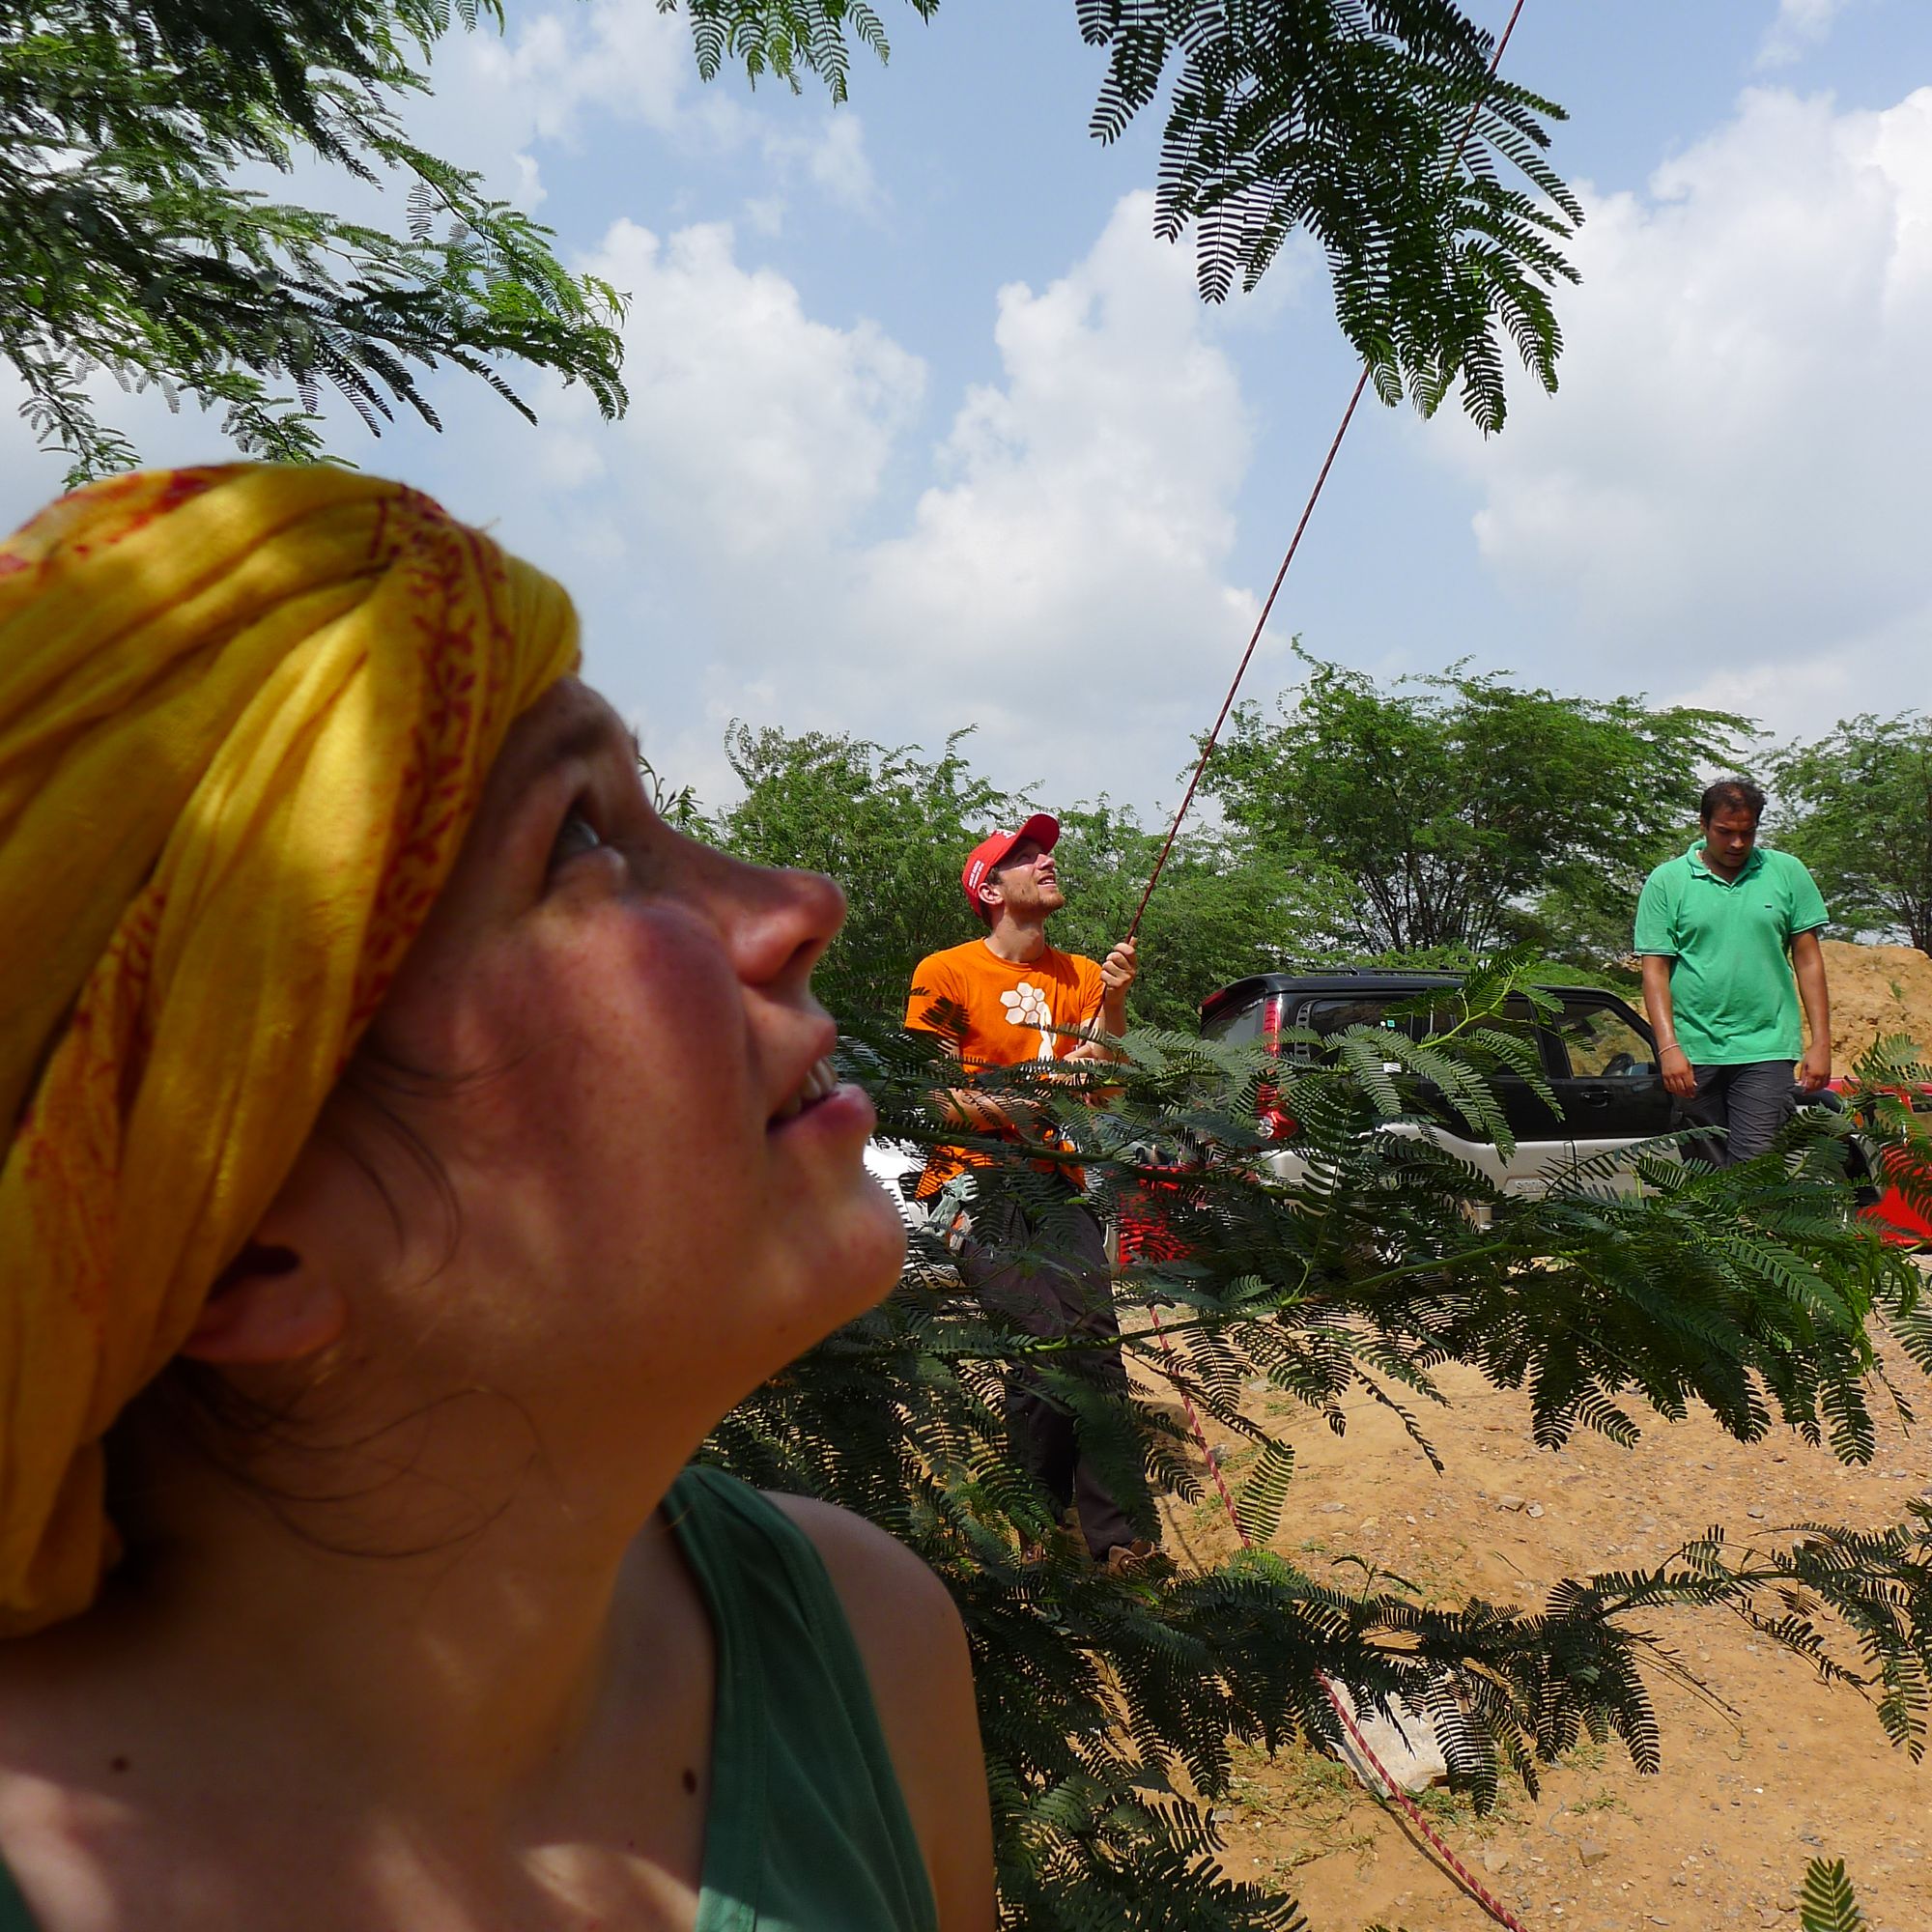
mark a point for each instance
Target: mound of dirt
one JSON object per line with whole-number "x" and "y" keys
{"x": 1764, "y": 1765}
{"x": 1877, "y": 991}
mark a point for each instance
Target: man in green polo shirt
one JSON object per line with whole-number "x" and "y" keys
{"x": 1721, "y": 932}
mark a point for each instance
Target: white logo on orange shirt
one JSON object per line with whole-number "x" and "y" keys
{"x": 1027, "y": 1006}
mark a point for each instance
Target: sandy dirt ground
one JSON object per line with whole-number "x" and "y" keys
{"x": 1876, "y": 991}
{"x": 1763, "y": 1767}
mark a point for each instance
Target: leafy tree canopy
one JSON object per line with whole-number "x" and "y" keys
{"x": 1856, "y": 808}
{"x": 128, "y": 241}
{"x": 1327, "y": 117}
{"x": 1224, "y": 908}
{"x": 1468, "y": 812}
{"x": 894, "y": 828}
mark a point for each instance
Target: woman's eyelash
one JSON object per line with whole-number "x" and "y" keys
{"x": 577, "y": 834}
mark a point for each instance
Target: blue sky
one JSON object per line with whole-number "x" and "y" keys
{"x": 927, "y": 431}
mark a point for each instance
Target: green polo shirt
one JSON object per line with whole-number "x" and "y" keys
{"x": 1729, "y": 947}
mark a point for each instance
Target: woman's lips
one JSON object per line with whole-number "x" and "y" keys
{"x": 820, "y": 1081}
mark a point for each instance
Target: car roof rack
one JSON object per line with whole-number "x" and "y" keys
{"x": 1316, "y": 981}
{"x": 1332, "y": 979}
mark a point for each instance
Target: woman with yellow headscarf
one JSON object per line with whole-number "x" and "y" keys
{"x": 413, "y": 1146}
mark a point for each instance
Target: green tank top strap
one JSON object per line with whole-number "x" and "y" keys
{"x": 808, "y": 1830}
{"x": 14, "y": 1913}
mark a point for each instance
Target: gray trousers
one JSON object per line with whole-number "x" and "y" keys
{"x": 1068, "y": 1293}
{"x": 1751, "y": 1102}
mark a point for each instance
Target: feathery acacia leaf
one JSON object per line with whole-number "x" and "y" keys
{"x": 125, "y": 245}
{"x": 1828, "y": 1903}
{"x": 1747, "y": 1291}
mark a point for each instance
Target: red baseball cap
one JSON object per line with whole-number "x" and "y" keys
{"x": 1042, "y": 828}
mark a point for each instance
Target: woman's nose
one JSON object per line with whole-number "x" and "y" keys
{"x": 777, "y": 922}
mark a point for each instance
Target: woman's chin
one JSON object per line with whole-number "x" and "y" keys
{"x": 861, "y": 1256}
{"x": 879, "y": 1245}
{"x": 855, "y": 1268}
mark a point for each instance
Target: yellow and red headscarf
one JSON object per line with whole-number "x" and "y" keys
{"x": 246, "y": 716}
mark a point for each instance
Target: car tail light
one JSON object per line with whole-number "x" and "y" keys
{"x": 1277, "y": 1122}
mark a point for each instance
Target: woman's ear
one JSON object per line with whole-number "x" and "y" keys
{"x": 268, "y": 1306}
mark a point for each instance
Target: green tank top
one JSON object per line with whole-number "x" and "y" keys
{"x": 808, "y": 1830}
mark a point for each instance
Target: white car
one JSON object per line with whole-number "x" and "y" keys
{"x": 896, "y": 1167}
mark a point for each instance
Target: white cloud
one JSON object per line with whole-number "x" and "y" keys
{"x": 627, "y": 60}
{"x": 755, "y": 434}
{"x": 832, "y": 158}
{"x": 1800, "y": 26}
{"x": 551, "y": 82}
{"x": 704, "y": 534}
{"x": 761, "y": 535}
{"x": 1056, "y": 574}
{"x": 1728, "y": 496}
{"x": 835, "y": 159}
{"x": 1068, "y": 573}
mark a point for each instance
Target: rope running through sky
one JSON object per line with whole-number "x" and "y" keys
{"x": 1294, "y": 542}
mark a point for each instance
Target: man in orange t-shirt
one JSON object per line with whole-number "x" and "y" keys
{"x": 1003, "y": 998}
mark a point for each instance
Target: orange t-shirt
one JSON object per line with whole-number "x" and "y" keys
{"x": 1000, "y": 1013}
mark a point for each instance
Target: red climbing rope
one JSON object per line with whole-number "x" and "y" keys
{"x": 1457, "y": 1869}
{"x": 1294, "y": 542}
{"x": 1463, "y": 1875}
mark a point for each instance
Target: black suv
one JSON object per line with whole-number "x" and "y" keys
{"x": 1598, "y": 1055}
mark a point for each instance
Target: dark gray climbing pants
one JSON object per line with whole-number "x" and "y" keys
{"x": 1052, "y": 1280}
{"x": 1751, "y": 1102}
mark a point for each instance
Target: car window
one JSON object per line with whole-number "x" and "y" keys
{"x": 1517, "y": 1019}
{"x": 1331, "y": 1015}
{"x": 1337, "y": 1015}
{"x": 1243, "y": 1024}
{"x": 1600, "y": 1045}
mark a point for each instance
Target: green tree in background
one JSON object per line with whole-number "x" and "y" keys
{"x": 1224, "y": 908}
{"x": 894, "y": 827}
{"x": 1468, "y": 813}
{"x": 1856, "y": 808}
{"x": 129, "y": 243}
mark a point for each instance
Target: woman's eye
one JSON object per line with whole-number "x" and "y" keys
{"x": 575, "y": 836}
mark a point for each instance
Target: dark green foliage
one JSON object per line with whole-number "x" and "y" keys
{"x": 1467, "y": 812}
{"x": 1856, "y": 808}
{"x": 1325, "y": 117}
{"x": 1749, "y": 1292}
{"x": 788, "y": 38}
{"x": 1828, "y": 1903}
{"x": 125, "y": 245}
{"x": 1343, "y": 120}
{"x": 892, "y": 826}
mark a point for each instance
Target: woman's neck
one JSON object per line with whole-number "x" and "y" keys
{"x": 455, "y": 1669}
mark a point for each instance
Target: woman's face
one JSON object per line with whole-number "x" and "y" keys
{"x": 657, "y": 1189}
